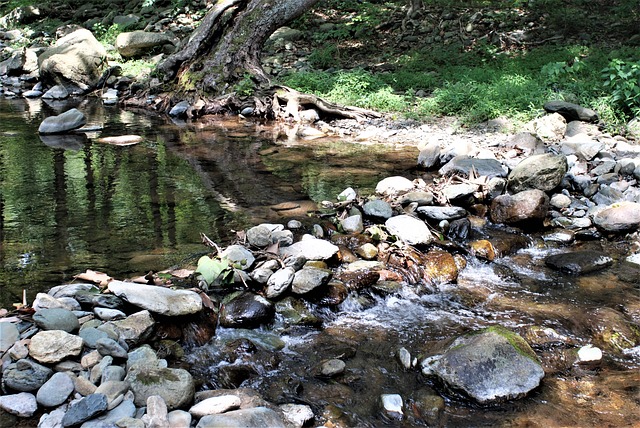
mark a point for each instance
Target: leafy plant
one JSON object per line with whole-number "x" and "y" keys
{"x": 106, "y": 35}
{"x": 214, "y": 271}
{"x": 246, "y": 86}
{"x": 623, "y": 78}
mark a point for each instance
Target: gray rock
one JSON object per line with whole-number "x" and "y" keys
{"x": 283, "y": 238}
{"x": 259, "y": 236}
{"x": 138, "y": 43}
{"x": 378, "y": 208}
{"x": 394, "y": 185}
{"x": 215, "y": 405}
{"x": 107, "y": 314}
{"x": 180, "y": 109}
{"x": 52, "y": 419}
{"x": 246, "y": 309}
{"x": 135, "y": 328}
{"x": 495, "y": 364}
{"x": 91, "y": 335}
{"x": 525, "y": 209}
{"x": 297, "y": 415}
{"x": 114, "y": 390}
{"x": 459, "y": 192}
{"x": 159, "y": 300}
{"x": 156, "y": 416}
{"x": 96, "y": 371}
{"x": 310, "y": 249}
{"x": 56, "y": 319}
{"x": 85, "y": 409}
{"x": 582, "y": 146}
{"x": 8, "y": 336}
{"x": 115, "y": 373}
{"x": 55, "y": 391}
{"x": 542, "y": 172}
{"x": 279, "y": 282}
{"x": 67, "y": 121}
{"x": 76, "y": 59}
{"x": 333, "y": 367}
{"x": 352, "y": 224}
{"x": 429, "y": 157}
{"x": 175, "y": 386}
{"x": 463, "y": 165}
{"x": 579, "y": 262}
{"x": 126, "y": 409}
{"x": 255, "y": 417}
{"x": 179, "y": 419}
{"x": 58, "y": 92}
{"x": 623, "y": 216}
{"x": 308, "y": 279}
{"x": 261, "y": 275}
{"x": 54, "y": 345}
{"x": 392, "y": 405}
{"x": 108, "y": 346}
{"x": 550, "y": 128}
{"x": 571, "y": 111}
{"x": 23, "y": 404}
{"x": 348, "y": 194}
{"x": 419, "y": 197}
{"x": 71, "y": 290}
{"x": 143, "y": 356}
{"x": 238, "y": 256}
{"x": 409, "y": 229}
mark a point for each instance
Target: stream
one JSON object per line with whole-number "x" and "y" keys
{"x": 75, "y": 204}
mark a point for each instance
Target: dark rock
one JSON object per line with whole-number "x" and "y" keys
{"x": 246, "y": 309}
{"x": 463, "y": 165}
{"x": 56, "y": 319}
{"x": 85, "y": 409}
{"x": 542, "y": 172}
{"x": 25, "y": 375}
{"x": 571, "y": 111}
{"x": 442, "y": 213}
{"x": 579, "y": 262}
{"x": 525, "y": 209}
{"x": 67, "y": 121}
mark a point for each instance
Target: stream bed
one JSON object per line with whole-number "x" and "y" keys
{"x": 71, "y": 205}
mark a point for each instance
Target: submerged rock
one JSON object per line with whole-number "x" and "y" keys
{"x": 67, "y": 121}
{"x": 579, "y": 262}
{"x": 491, "y": 365}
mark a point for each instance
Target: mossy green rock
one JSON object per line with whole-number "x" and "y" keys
{"x": 175, "y": 386}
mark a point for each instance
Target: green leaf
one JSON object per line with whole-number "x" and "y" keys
{"x": 212, "y": 270}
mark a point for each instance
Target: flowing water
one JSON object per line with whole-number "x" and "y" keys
{"x": 75, "y": 204}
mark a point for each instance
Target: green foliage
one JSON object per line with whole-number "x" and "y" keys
{"x": 245, "y": 87}
{"x": 106, "y": 35}
{"x": 137, "y": 68}
{"x": 214, "y": 271}
{"x": 623, "y": 79}
{"x": 325, "y": 57}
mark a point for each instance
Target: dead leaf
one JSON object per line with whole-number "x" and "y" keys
{"x": 179, "y": 273}
{"x": 96, "y": 277}
{"x": 273, "y": 248}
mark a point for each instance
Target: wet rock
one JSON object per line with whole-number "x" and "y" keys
{"x": 334, "y": 293}
{"x": 256, "y": 417}
{"x": 135, "y": 328}
{"x": 138, "y": 43}
{"x": 55, "y": 391}
{"x": 56, "y": 319}
{"x": 439, "y": 267}
{"x": 180, "y": 109}
{"x": 579, "y": 262}
{"x": 442, "y": 213}
{"x": 126, "y": 409}
{"x": 543, "y": 172}
{"x": 84, "y": 409}
{"x": 409, "y": 229}
{"x": 378, "y": 208}
{"x": 215, "y": 405}
{"x": 463, "y": 165}
{"x": 310, "y": 249}
{"x": 279, "y": 282}
{"x": 619, "y": 217}
{"x": 367, "y": 251}
{"x": 430, "y": 406}
{"x": 175, "y": 386}
{"x": 238, "y": 256}
{"x": 394, "y": 185}
{"x": 571, "y": 111}
{"x": 360, "y": 279}
{"x": 492, "y": 365}
{"x": 57, "y": 92}
{"x": 159, "y": 300}
{"x": 67, "y": 121}
{"x": 308, "y": 279}
{"x": 245, "y": 309}
{"x": 483, "y": 249}
{"x": 525, "y": 209}
{"x": 392, "y": 405}
{"x": 333, "y": 367}
{"x": 612, "y": 330}
{"x": 298, "y": 415}
{"x": 54, "y": 345}
{"x": 8, "y": 336}
{"x": 22, "y": 404}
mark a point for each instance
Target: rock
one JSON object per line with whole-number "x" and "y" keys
{"x": 571, "y": 111}
{"x": 579, "y": 262}
{"x": 67, "y": 121}
{"x": 394, "y": 185}
{"x": 392, "y": 405}
{"x": 589, "y": 353}
{"x": 429, "y": 157}
{"x": 404, "y": 357}
{"x": 114, "y": 391}
{"x": 308, "y": 279}
{"x": 612, "y": 330}
{"x": 115, "y": 373}
{"x": 298, "y": 415}
{"x": 215, "y": 405}
{"x": 296, "y": 312}
{"x": 84, "y": 409}
{"x": 333, "y": 367}
{"x": 83, "y": 386}
{"x": 279, "y": 282}
{"x": 310, "y": 249}
{"x": 238, "y": 256}
{"x": 175, "y": 386}
{"x": 550, "y": 128}
{"x": 156, "y": 416}
{"x": 560, "y": 201}
{"x": 135, "y": 328}
{"x": 138, "y": 43}
{"x": 180, "y": 109}
{"x": 492, "y": 365}
{"x": 57, "y": 92}
{"x": 259, "y": 236}
{"x": 91, "y": 335}
{"x": 22, "y": 404}
{"x": 623, "y": 216}
{"x": 106, "y": 314}
{"x": 352, "y": 224}
{"x": 464, "y": 165}
{"x": 107, "y": 346}
{"x": 348, "y": 194}
{"x": 126, "y": 409}
{"x": 543, "y": 172}
{"x": 159, "y": 300}
{"x": 409, "y": 229}
{"x": 460, "y": 193}
{"x": 179, "y": 419}
{"x": 582, "y": 146}
{"x": 245, "y": 309}
{"x": 52, "y": 419}
{"x": 75, "y": 60}
{"x": 483, "y": 249}
{"x": 419, "y": 197}
{"x": 54, "y": 345}
{"x": 524, "y": 209}
{"x": 255, "y": 417}
{"x": 442, "y": 213}
{"x": 55, "y": 391}
{"x": 377, "y": 209}
{"x": 56, "y": 319}
{"x": 8, "y": 336}
{"x": 439, "y": 267}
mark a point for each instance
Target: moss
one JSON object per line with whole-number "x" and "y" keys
{"x": 152, "y": 377}
{"x": 515, "y": 340}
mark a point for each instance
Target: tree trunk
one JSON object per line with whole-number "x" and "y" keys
{"x": 223, "y": 55}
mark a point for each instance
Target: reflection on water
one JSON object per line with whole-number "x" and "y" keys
{"x": 70, "y": 203}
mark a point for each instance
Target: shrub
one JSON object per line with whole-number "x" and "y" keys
{"x": 623, "y": 79}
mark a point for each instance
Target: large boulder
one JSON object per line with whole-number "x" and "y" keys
{"x": 159, "y": 300}
{"x": 571, "y": 111}
{"x": 542, "y": 172}
{"x": 526, "y": 208}
{"x": 54, "y": 345}
{"x": 76, "y": 61}
{"x": 464, "y": 165}
{"x": 492, "y": 365}
{"x": 139, "y": 43}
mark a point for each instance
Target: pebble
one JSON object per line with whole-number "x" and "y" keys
{"x": 333, "y": 367}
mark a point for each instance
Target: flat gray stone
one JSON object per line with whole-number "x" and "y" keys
{"x": 23, "y": 404}
{"x": 159, "y": 300}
